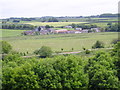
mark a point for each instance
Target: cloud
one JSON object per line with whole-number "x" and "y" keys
{"x": 33, "y": 8}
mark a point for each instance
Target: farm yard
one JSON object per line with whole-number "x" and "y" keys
{"x": 56, "y": 42}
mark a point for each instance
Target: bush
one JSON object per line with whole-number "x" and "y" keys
{"x": 61, "y": 49}
{"x": 98, "y": 44}
{"x": 87, "y": 51}
{"x": 84, "y": 48}
{"x": 5, "y": 46}
{"x": 115, "y": 41}
{"x": 44, "y": 51}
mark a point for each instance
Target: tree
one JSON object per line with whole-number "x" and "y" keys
{"x": 72, "y": 49}
{"x": 19, "y": 74}
{"x": 110, "y": 23}
{"x": 73, "y": 25}
{"x": 87, "y": 51}
{"x": 44, "y": 51}
{"x": 39, "y": 28}
{"x": 113, "y": 27}
{"x": 61, "y": 49}
{"x": 102, "y": 71}
{"x": 98, "y": 44}
{"x": 47, "y": 26}
{"x": 116, "y": 55}
{"x": 62, "y": 72}
{"x": 6, "y": 47}
{"x": 115, "y": 41}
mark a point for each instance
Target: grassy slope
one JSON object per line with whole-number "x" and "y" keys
{"x": 56, "y": 42}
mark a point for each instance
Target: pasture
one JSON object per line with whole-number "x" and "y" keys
{"x": 9, "y": 33}
{"x": 56, "y": 42}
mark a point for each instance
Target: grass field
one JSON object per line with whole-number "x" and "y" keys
{"x": 9, "y": 33}
{"x": 56, "y": 42}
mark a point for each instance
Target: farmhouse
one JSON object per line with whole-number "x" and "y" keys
{"x": 95, "y": 29}
{"x": 63, "y": 31}
{"x": 41, "y": 30}
{"x": 28, "y": 32}
{"x": 78, "y": 32}
{"x": 78, "y": 28}
{"x": 84, "y": 31}
{"x": 44, "y": 32}
{"x": 68, "y": 27}
{"x": 71, "y": 31}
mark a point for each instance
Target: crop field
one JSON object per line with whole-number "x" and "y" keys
{"x": 56, "y": 42}
{"x": 55, "y": 24}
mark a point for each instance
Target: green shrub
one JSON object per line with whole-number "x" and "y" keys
{"x": 5, "y": 46}
{"x": 44, "y": 51}
{"x": 87, "y": 51}
{"x": 98, "y": 44}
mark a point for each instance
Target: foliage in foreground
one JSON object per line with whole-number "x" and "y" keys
{"x": 99, "y": 71}
{"x": 57, "y": 72}
{"x": 5, "y": 47}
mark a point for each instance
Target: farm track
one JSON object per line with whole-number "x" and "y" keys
{"x": 64, "y": 53}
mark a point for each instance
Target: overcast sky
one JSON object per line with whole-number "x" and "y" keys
{"x": 38, "y": 8}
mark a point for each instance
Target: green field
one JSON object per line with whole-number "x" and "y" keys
{"x": 9, "y": 33}
{"x": 56, "y": 42}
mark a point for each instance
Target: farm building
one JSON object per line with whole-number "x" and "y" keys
{"x": 68, "y": 27}
{"x": 71, "y": 31}
{"x": 61, "y": 31}
{"x": 85, "y": 31}
{"x": 78, "y": 32}
{"x": 96, "y": 29}
{"x": 44, "y": 32}
{"x": 78, "y": 28}
{"x": 28, "y": 32}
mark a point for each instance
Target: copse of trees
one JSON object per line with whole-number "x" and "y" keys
{"x": 52, "y": 19}
{"x": 108, "y": 15}
{"x": 18, "y": 26}
{"x": 49, "y": 19}
{"x": 113, "y": 27}
{"x": 83, "y": 26}
{"x": 16, "y": 20}
{"x": 48, "y": 26}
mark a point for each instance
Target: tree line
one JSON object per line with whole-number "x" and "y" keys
{"x": 83, "y": 26}
{"x": 113, "y": 27}
{"x": 18, "y": 26}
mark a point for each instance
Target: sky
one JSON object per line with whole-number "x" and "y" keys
{"x": 39, "y": 8}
